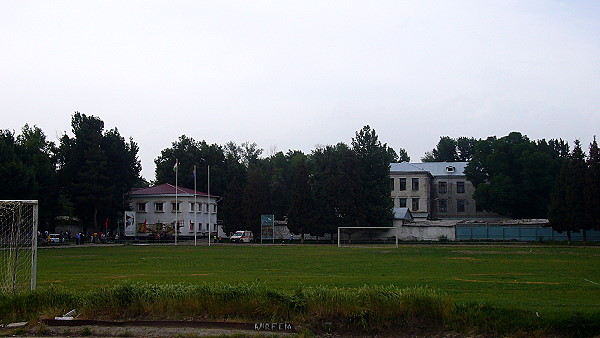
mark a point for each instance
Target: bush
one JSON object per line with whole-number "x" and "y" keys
{"x": 369, "y": 309}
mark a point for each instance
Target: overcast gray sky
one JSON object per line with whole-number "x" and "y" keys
{"x": 297, "y": 74}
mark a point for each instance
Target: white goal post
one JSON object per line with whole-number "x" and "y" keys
{"x": 367, "y": 228}
{"x": 18, "y": 244}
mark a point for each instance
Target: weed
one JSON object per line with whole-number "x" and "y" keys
{"x": 86, "y": 331}
{"x": 41, "y": 330}
{"x": 126, "y": 333}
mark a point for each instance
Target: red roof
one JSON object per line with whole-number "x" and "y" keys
{"x": 165, "y": 189}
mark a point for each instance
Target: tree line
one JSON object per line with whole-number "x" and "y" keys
{"x": 89, "y": 173}
{"x": 520, "y": 178}
{"x": 339, "y": 185}
{"x": 84, "y": 177}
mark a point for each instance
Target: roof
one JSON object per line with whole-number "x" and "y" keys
{"x": 403, "y": 213}
{"x": 166, "y": 189}
{"x": 434, "y": 168}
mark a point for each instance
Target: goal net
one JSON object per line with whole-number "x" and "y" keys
{"x": 18, "y": 244}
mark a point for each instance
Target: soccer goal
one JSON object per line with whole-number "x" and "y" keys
{"x": 352, "y": 230}
{"x": 18, "y": 244}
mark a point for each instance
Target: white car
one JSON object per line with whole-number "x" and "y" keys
{"x": 54, "y": 238}
{"x": 242, "y": 236}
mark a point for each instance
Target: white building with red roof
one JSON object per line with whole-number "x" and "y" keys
{"x": 157, "y": 209}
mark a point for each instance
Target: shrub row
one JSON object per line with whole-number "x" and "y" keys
{"x": 369, "y": 309}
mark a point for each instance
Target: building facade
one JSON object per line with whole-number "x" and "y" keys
{"x": 435, "y": 190}
{"x": 162, "y": 208}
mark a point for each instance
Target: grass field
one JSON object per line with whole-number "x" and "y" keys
{"x": 545, "y": 279}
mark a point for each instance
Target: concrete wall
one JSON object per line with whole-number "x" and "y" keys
{"x": 426, "y": 233}
{"x": 417, "y": 231}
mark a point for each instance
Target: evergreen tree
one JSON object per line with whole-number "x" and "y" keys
{"x": 567, "y": 207}
{"x": 374, "y": 162}
{"x": 335, "y": 180}
{"x": 575, "y": 197}
{"x": 402, "y": 156}
{"x": 558, "y": 209}
{"x": 95, "y": 169}
{"x": 301, "y": 216}
{"x": 592, "y": 187}
{"x": 445, "y": 151}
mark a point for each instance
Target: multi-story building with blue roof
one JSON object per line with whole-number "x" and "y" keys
{"x": 435, "y": 190}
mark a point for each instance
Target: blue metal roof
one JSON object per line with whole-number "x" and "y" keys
{"x": 434, "y": 168}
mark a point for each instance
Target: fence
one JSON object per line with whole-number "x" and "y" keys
{"x": 518, "y": 233}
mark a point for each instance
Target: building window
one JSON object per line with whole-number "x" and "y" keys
{"x": 158, "y": 207}
{"x": 460, "y": 187}
{"x": 192, "y": 206}
{"x": 442, "y": 187}
{"x": 443, "y": 205}
{"x": 175, "y": 206}
{"x": 141, "y": 207}
{"x": 403, "y": 184}
{"x": 415, "y": 204}
{"x": 460, "y": 205}
{"x": 392, "y": 184}
{"x": 191, "y": 226}
{"x": 415, "y": 184}
{"x": 402, "y": 202}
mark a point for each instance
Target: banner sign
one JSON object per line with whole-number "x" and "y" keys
{"x": 267, "y": 224}
{"x": 130, "y": 226}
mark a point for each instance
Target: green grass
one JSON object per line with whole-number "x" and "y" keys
{"x": 549, "y": 280}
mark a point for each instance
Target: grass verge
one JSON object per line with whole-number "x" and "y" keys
{"x": 368, "y": 309}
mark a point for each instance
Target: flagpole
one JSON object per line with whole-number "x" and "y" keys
{"x": 195, "y": 211}
{"x": 208, "y": 204}
{"x": 176, "y": 220}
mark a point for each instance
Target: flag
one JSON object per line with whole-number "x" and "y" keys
{"x": 194, "y": 172}
{"x": 176, "y": 165}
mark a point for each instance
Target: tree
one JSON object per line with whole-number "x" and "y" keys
{"x": 445, "y": 151}
{"x": 451, "y": 150}
{"x": 301, "y": 216}
{"x": 402, "y": 156}
{"x": 558, "y": 210}
{"x": 465, "y": 146}
{"x": 513, "y": 176}
{"x": 95, "y": 169}
{"x": 39, "y": 154}
{"x": 231, "y": 210}
{"x": 17, "y": 181}
{"x": 567, "y": 210}
{"x": 374, "y": 161}
{"x": 255, "y": 201}
{"x": 335, "y": 181}
{"x": 592, "y": 187}
{"x": 189, "y": 153}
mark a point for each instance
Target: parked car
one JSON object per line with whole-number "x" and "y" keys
{"x": 242, "y": 236}
{"x": 54, "y": 238}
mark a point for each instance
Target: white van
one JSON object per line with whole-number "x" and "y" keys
{"x": 242, "y": 236}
